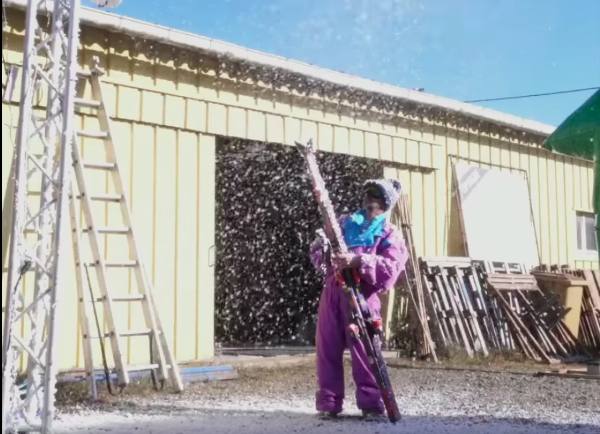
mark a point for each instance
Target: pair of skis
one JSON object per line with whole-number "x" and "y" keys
{"x": 368, "y": 328}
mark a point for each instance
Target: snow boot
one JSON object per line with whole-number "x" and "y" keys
{"x": 327, "y": 415}
{"x": 373, "y": 416}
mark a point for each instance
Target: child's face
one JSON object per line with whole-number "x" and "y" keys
{"x": 373, "y": 203}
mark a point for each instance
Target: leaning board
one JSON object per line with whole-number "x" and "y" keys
{"x": 496, "y": 215}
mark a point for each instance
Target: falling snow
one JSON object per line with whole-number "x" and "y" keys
{"x": 266, "y": 290}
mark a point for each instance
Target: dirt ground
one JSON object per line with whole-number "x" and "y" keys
{"x": 281, "y": 400}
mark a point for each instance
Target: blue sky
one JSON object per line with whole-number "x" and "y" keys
{"x": 463, "y": 49}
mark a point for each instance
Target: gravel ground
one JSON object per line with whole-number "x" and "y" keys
{"x": 281, "y": 400}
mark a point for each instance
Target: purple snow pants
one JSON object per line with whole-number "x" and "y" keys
{"x": 380, "y": 266}
{"x": 332, "y": 338}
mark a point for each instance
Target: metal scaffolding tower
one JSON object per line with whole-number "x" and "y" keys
{"x": 38, "y": 195}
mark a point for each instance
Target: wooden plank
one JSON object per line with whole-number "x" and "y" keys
{"x": 582, "y": 376}
{"x": 593, "y": 281}
{"x": 472, "y": 315}
{"x": 528, "y": 342}
{"x": 447, "y": 261}
{"x": 442, "y": 275}
{"x": 510, "y": 282}
{"x": 560, "y": 278}
{"x": 412, "y": 278}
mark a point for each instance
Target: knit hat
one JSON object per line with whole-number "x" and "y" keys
{"x": 389, "y": 189}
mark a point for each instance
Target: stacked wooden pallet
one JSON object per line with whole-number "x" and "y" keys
{"x": 589, "y": 327}
{"x": 589, "y": 280}
{"x": 482, "y": 307}
{"x": 459, "y": 306}
{"x": 535, "y": 319}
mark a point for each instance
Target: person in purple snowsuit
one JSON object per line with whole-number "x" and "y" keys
{"x": 378, "y": 253}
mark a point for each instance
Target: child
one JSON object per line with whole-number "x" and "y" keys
{"x": 377, "y": 251}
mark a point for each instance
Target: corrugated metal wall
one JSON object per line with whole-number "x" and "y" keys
{"x": 166, "y": 115}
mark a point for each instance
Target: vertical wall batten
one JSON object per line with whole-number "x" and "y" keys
{"x": 177, "y": 179}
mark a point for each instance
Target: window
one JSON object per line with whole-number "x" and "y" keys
{"x": 586, "y": 233}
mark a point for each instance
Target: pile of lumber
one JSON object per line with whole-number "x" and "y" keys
{"x": 589, "y": 280}
{"x": 581, "y": 373}
{"x": 483, "y": 306}
{"x": 589, "y": 327}
{"x": 460, "y": 310}
{"x": 535, "y": 319}
{"x": 413, "y": 285}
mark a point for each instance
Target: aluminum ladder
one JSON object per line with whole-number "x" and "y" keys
{"x": 162, "y": 362}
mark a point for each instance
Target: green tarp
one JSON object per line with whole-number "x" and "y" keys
{"x": 579, "y": 135}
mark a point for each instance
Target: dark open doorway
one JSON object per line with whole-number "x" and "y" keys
{"x": 266, "y": 289}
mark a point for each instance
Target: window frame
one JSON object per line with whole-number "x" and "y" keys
{"x": 584, "y": 253}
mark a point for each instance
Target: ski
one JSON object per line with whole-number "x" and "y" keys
{"x": 369, "y": 329}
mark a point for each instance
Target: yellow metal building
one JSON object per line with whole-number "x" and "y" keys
{"x": 172, "y": 93}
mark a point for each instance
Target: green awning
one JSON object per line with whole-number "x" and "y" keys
{"x": 579, "y": 135}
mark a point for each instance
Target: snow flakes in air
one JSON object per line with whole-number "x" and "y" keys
{"x": 266, "y": 289}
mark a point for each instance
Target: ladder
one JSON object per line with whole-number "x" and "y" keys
{"x": 162, "y": 363}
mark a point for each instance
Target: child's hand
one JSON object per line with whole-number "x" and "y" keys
{"x": 345, "y": 260}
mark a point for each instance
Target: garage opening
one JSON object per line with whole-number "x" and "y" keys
{"x": 266, "y": 290}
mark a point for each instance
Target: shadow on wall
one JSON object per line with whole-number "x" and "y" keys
{"x": 456, "y": 243}
{"x": 266, "y": 289}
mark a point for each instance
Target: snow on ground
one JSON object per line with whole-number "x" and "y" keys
{"x": 281, "y": 400}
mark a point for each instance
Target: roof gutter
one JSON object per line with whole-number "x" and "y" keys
{"x": 169, "y": 36}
